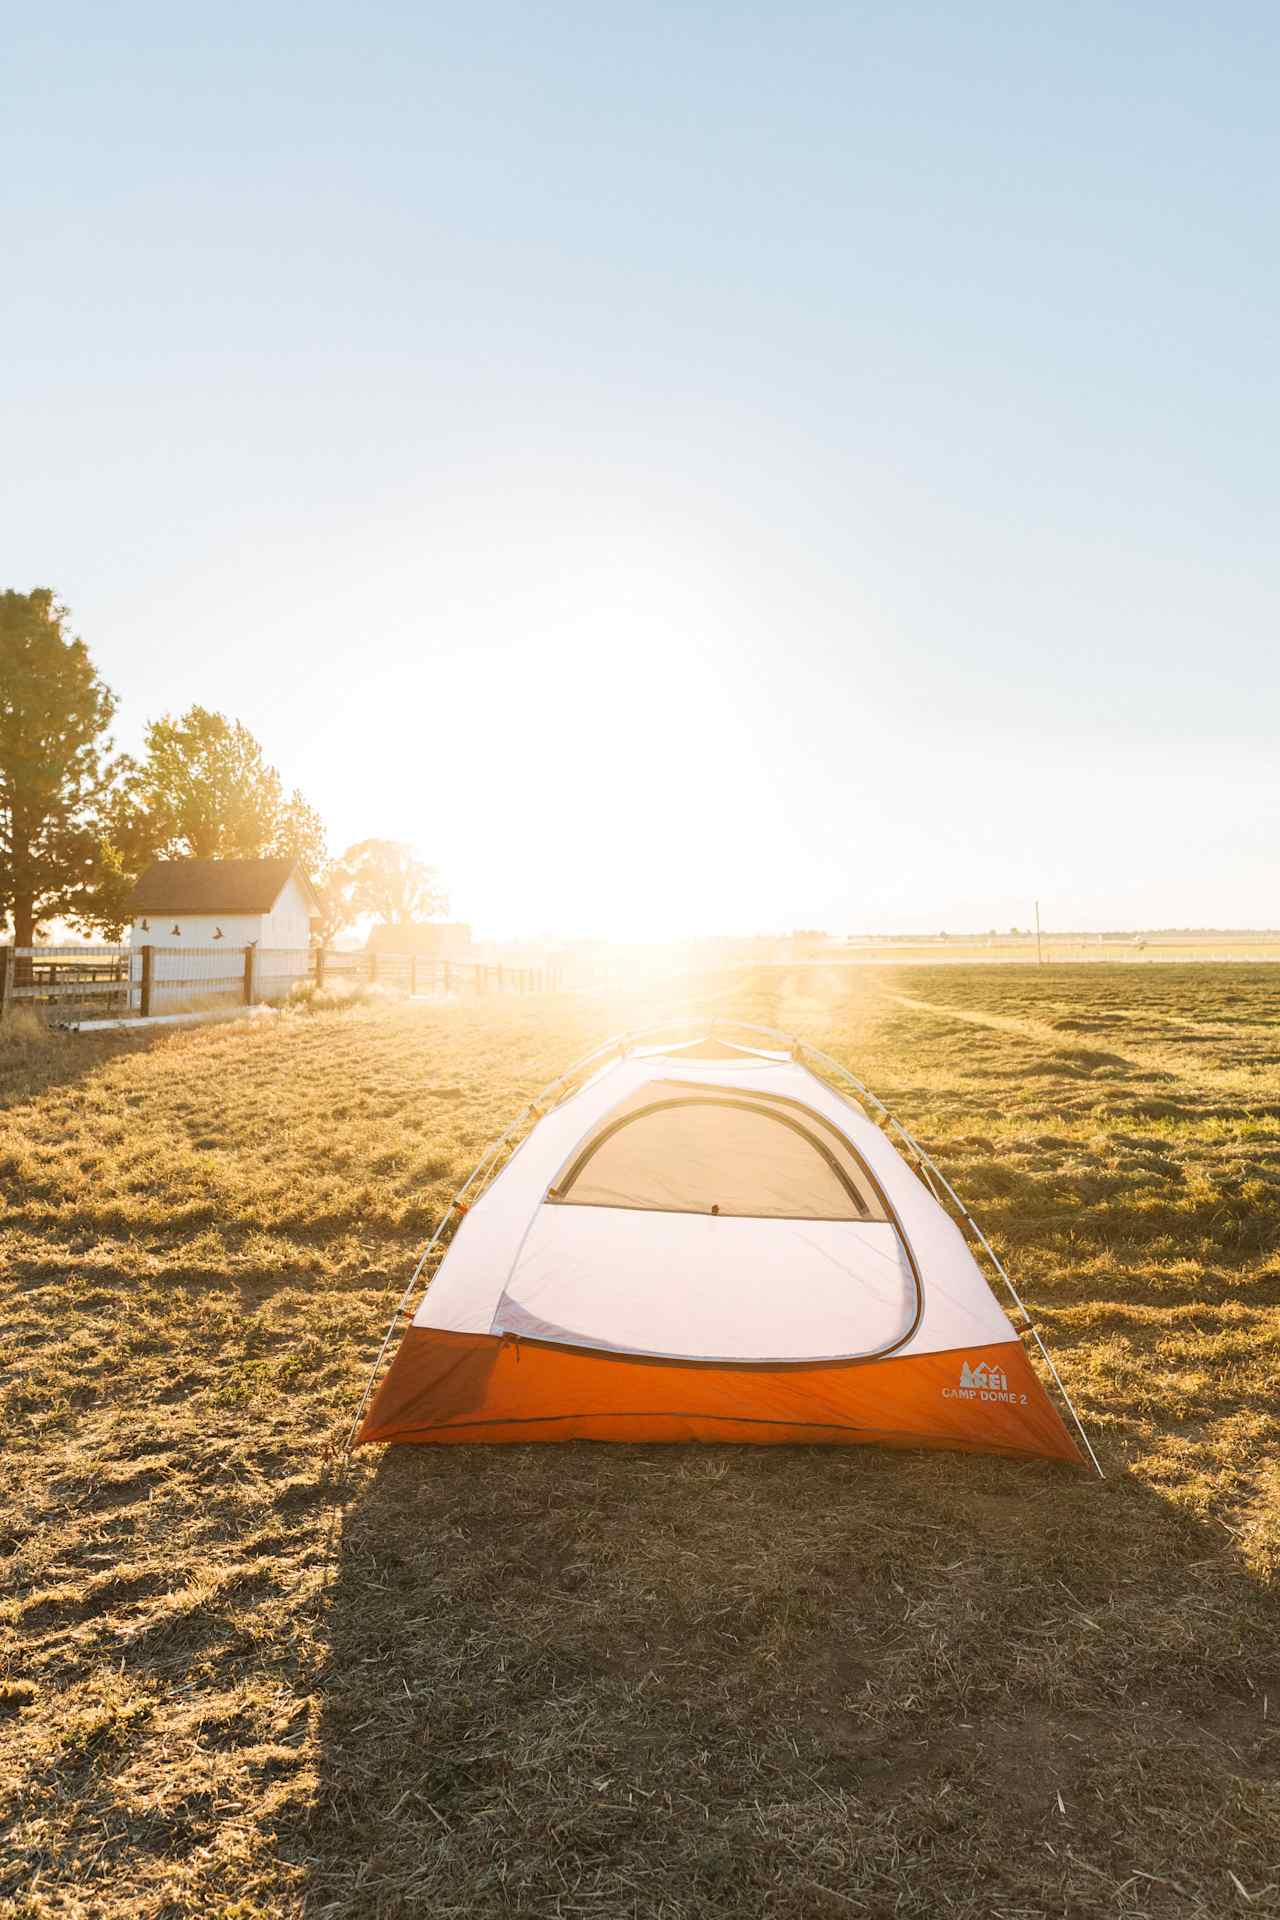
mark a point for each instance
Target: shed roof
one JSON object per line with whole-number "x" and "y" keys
{"x": 218, "y": 886}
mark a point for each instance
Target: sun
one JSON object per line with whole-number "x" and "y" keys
{"x": 601, "y": 782}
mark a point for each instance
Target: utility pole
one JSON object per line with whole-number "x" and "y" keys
{"x": 1039, "y": 955}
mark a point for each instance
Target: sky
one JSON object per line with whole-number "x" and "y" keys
{"x": 685, "y": 470}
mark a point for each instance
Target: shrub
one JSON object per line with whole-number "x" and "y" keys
{"x": 339, "y": 997}
{"x": 22, "y": 1032}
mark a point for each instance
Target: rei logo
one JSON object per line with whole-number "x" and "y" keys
{"x": 985, "y": 1381}
{"x": 984, "y": 1375}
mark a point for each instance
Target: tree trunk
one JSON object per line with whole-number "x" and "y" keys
{"x": 24, "y": 935}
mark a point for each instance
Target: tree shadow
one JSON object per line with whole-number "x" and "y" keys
{"x": 30, "y": 1068}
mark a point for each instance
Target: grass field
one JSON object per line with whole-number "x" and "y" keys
{"x": 690, "y": 1683}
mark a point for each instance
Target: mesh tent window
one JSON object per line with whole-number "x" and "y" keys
{"x": 718, "y": 1151}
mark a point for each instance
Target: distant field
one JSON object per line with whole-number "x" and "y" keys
{"x": 677, "y": 1683}
{"x": 1057, "y": 950}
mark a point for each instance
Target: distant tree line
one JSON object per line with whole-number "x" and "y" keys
{"x": 79, "y": 822}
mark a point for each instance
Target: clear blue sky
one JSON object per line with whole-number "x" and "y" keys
{"x": 685, "y": 468}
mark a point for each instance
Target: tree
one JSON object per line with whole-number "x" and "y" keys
{"x": 204, "y": 791}
{"x": 335, "y": 888}
{"x": 104, "y": 907}
{"x": 389, "y": 882}
{"x": 300, "y": 833}
{"x": 55, "y": 773}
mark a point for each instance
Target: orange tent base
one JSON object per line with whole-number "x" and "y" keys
{"x": 479, "y": 1388}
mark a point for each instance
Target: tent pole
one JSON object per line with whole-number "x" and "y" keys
{"x": 483, "y": 1166}
{"x": 931, "y": 1171}
{"x": 931, "y": 1165}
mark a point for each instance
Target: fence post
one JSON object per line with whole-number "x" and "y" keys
{"x": 248, "y": 975}
{"x": 373, "y": 966}
{"x": 6, "y": 977}
{"x": 446, "y": 976}
{"x": 413, "y": 975}
{"x": 499, "y": 976}
{"x": 148, "y": 974}
{"x": 319, "y": 966}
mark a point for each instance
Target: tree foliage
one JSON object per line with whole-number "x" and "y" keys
{"x": 204, "y": 791}
{"x": 335, "y": 891}
{"x": 391, "y": 884}
{"x": 55, "y": 773}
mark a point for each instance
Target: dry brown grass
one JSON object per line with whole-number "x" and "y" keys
{"x": 604, "y": 1681}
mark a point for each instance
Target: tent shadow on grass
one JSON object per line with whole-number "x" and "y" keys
{"x": 728, "y": 1681}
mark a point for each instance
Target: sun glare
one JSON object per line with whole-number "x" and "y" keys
{"x": 598, "y": 780}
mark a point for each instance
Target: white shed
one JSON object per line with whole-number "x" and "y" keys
{"x": 222, "y": 907}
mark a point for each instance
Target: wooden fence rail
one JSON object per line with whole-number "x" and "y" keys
{"x": 148, "y": 980}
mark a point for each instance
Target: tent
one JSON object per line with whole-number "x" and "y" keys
{"x": 706, "y": 1239}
